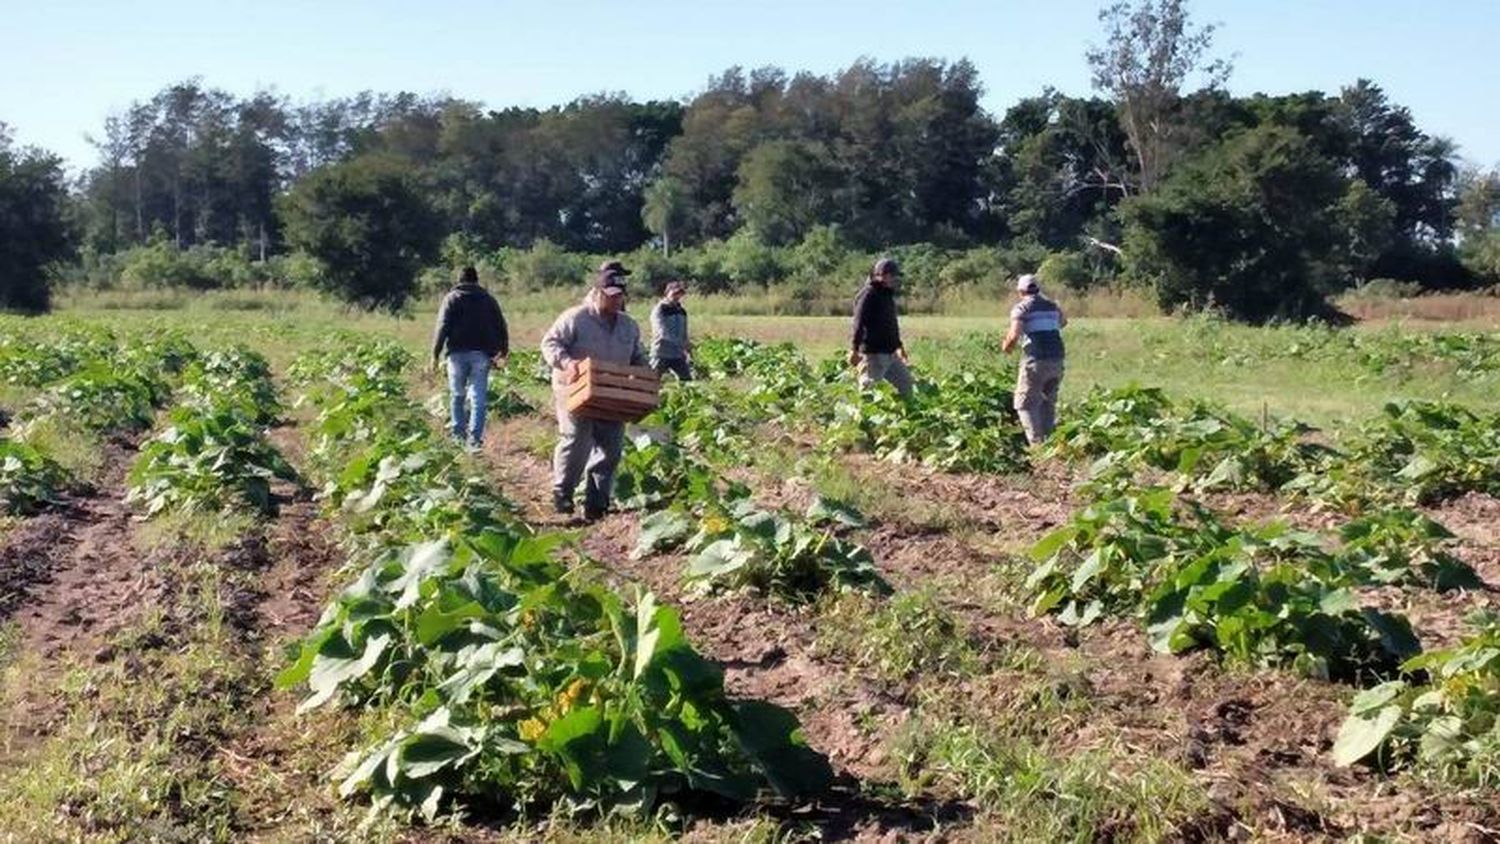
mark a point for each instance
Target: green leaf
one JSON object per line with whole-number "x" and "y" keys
{"x": 1360, "y": 736}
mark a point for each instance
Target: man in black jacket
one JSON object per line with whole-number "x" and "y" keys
{"x": 471, "y": 326}
{"x": 876, "y": 345}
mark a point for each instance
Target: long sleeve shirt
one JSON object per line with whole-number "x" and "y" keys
{"x": 470, "y": 320}
{"x": 669, "y": 331}
{"x": 876, "y": 330}
{"x": 581, "y": 332}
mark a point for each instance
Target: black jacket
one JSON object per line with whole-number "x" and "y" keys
{"x": 470, "y": 321}
{"x": 875, "y": 329}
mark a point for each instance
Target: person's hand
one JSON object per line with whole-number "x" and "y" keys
{"x": 500, "y": 360}
{"x": 573, "y": 370}
{"x": 854, "y": 357}
{"x": 437, "y": 365}
{"x": 901, "y": 355}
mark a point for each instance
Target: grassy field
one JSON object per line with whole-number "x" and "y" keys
{"x": 137, "y": 654}
{"x": 1243, "y": 367}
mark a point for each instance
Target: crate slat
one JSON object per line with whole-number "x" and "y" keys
{"x": 613, "y": 392}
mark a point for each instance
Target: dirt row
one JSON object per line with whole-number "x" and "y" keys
{"x": 84, "y": 590}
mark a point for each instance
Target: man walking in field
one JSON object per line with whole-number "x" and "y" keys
{"x": 670, "y": 349}
{"x": 598, "y": 329}
{"x": 472, "y": 329}
{"x": 876, "y": 346}
{"x": 1038, "y": 321}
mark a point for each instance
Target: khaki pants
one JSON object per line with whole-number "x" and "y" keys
{"x": 882, "y": 367}
{"x": 586, "y": 446}
{"x": 1036, "y": 397}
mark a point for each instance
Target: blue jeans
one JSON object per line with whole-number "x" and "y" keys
{"x": 468, "y": 389}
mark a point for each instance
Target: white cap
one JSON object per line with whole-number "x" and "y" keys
{"x": 1027, "y": 284}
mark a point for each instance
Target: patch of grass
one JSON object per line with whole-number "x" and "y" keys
{"x": 76, "y": 450}
{"x": 896, "y": 637}
{"x": 1031, "y": 793}
{"x": 172, "y": 528}
{"x": 10, "y": 642}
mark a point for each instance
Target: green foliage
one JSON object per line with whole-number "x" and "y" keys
{"x": 1414, "y": 452}
{"x": 213, "y": 455}
{"x": 1444, "y": 716}
{"x": 99, "y": 400}
{"x": 370, "y": 227}
{"x": 206, "y": 461}
{"x": 1253, "y": 226}
{"x": 1131, "y": 429}
{"x": 739, "y": 545}
{"x": 1404, "y": 547}
{"x": 962, "y": 422}
{"x": 1263, "y": 595}
{"x": 518, "y": 676}
{"x": 1066, "y": 270}
{"x": 534, "y": 688}
{"x": 29, "y": 479}
{"x": 35, "y": 232}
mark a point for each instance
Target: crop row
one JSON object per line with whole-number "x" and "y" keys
{"x": 83, "y": 384}
{"x": 1266, "y": 595}
{"x": 522, "y": 681}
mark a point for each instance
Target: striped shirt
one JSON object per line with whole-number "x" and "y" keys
{"x": 1041, "y": 325}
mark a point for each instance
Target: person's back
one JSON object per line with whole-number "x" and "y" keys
{"x": 1041, "y": 327}
{"x": 471, "y": 330}
{"x": 1037, "y": 322}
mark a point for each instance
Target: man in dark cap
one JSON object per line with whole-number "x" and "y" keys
{"x": 876, "y": 346}
{"x": 472, "y": 329}
{"x": 598, "y": 329}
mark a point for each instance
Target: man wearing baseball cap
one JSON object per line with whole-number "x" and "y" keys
{"x": 599, "y": 329}
{"x": 1038, "y": 321}
{"x": 876, "y": 346}
{"x": 670, "y": 349}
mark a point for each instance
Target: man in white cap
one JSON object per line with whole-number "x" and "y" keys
{"x": 1038, "y": 322}
{"x": 598, "y": 329}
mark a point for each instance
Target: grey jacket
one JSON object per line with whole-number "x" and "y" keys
{"x": 581, "y": 333}
{"x": 669, "y": 331}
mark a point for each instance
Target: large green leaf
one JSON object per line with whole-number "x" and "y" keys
{"x": 1360, "y": 735}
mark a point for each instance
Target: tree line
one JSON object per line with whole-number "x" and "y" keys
{"x": 1261, "y": 205}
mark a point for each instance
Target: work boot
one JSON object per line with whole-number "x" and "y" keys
{"x": 593, "y": 514}
{"x": 562, "y": 504}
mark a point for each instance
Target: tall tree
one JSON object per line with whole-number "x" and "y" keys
{"x": 1152, "y": 50}
{"x": 34, "y": 231}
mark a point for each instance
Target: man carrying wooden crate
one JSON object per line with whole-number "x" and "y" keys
{"x": 599, "y": 329}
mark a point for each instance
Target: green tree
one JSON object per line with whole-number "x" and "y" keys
{"x": 664, "y": 210}
{"x": 785, "y": 188}
{"x": 1260, "y": 227}
{"x": 368, "y": 225}
{"x": 34, "y": 231}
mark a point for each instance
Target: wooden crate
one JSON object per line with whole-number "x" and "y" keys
{"x": 614, "y": 392}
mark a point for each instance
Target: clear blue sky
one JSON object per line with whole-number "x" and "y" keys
{"x": 66, "y": 64}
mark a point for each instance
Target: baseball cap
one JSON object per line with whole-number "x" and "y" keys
{"x": 610, "y": 283}
{"x": 613, "y": 266}
{"x": 1027, "y": 284}
{"x": 884, "y": 264}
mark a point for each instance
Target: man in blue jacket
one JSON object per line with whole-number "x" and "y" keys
{"x": 472, "y": 329}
